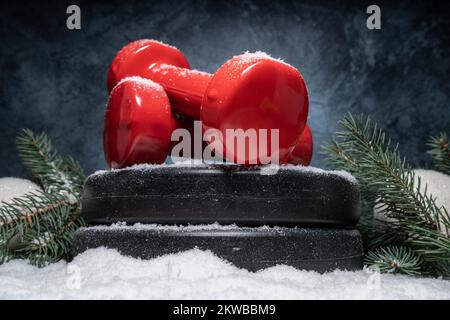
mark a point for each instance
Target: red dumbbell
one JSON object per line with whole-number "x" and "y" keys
{"x": 250, "y": 91}
{"x": 139, "y": 123}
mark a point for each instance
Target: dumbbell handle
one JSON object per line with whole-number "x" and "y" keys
{"x": 184, "y": 87}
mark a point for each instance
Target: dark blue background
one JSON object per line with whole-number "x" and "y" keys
{"x": 53, "y": 79}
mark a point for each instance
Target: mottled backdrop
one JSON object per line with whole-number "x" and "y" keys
{"x": 53, "y": 79}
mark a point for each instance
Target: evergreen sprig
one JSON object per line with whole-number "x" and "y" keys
{"x": 440, "y": 152}
{"x": 39, "y": 226}
{"x": 51, "y": 171}
{"x": 412, "y": 218}
{"x": 393, "y": 259}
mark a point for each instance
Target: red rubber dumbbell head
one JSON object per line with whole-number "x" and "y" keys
{"x": 138, "y": 124}
{"x": 254, "y": 91}
{"x": 137, "y": 56}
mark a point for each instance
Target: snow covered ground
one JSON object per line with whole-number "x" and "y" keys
{"x": 105, "y": 274}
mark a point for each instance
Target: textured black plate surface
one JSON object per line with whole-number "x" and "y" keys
{"x": 202, "y": 195}
{"x": 250, "y": 248}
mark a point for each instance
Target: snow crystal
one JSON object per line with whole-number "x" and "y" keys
{"x": 11, "y": 187}
{"x": 146, "y": 83}
{"x": 148, "y": 166}
{"x": 179, "y": 228}
{"x": 160, "y": 42}
{"x": 249, "y": 57}
{"x": 313, "y": 170}
{"x": 42, "y": 239}
{"x": 105, "y": 274}
{"x": 183, "y": 72}
{"x": 265, "y": 170}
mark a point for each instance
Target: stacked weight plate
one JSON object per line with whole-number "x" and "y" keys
{"x": 255, "y": 218}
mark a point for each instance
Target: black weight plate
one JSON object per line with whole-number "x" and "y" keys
{"x": 315, "y": 249}
{"x": 172, "y": 194}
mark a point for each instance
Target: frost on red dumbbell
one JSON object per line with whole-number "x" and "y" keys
{"x": 138, "y": 123}
{"x": 250, "y": 91}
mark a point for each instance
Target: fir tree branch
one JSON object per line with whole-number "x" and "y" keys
{"x": 440, "y": 152}
{"x": 42, "y": 224}
{"x": 54, "y": 243}
{"x": 51, "y": 171}
{"x": 34, "y": 216}
{"x": 394, "y": 260}
{"x": 387, "y": 181}
{"x": 29, "y": 206}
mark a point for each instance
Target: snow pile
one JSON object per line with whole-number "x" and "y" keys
{"x": 15, "y": 187}
{"x": 105, "y": 274}
{"x": 438, "y": 185}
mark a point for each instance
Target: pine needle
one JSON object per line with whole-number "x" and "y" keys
{"x": 394, "y": 260}
{"x": 440, "y": 152}
{"x": 39, "y": 226}
{"x": 413, "y": 219}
